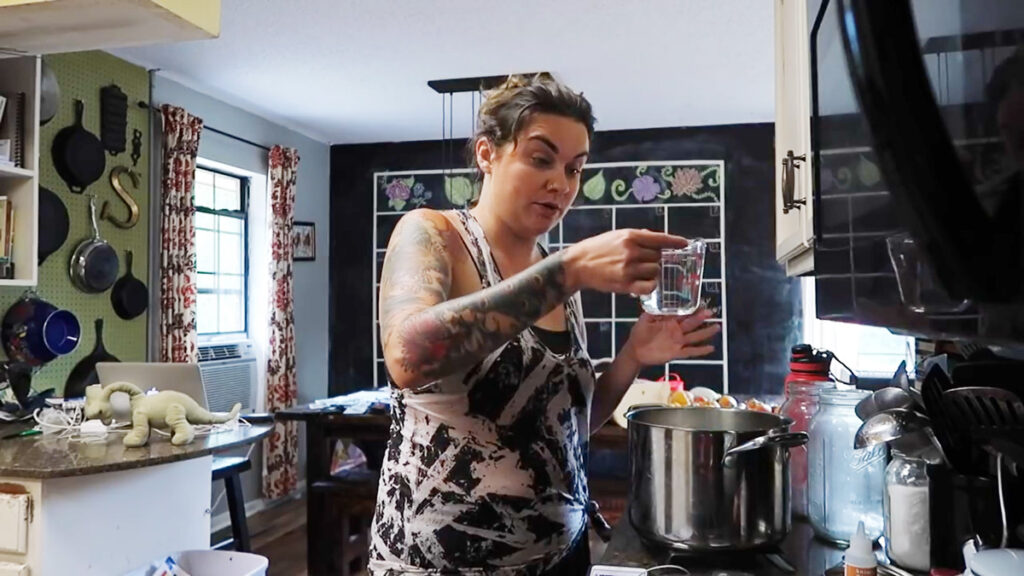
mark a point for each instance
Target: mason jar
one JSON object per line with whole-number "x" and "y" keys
{"x": 800, "y": 406}
{"x": 907, "y": 538}
{"x": 844, "y": 486}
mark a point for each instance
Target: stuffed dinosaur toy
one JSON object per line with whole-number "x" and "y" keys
{"x": 165, "y": 409}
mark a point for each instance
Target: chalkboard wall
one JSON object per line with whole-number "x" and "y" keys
{"x": 763, "y": 305}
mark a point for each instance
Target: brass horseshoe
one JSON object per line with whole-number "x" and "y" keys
{"x": 133, "y": 208}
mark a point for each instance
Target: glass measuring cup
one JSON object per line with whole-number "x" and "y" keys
{"x": 679, "y": 284}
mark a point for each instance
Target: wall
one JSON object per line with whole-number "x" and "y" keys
{"x": 311, "y": 204}
{"x": 81, "y": 75}
{"x": 764, "y": 308}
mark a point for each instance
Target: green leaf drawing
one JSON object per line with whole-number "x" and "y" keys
{"x": 397, "y": 204}
{"x": 459, "y": 190}
{"x": 410, "y": 181}
{"x": 593, "y": 189}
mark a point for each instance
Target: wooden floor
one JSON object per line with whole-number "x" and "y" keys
{"x": 279, "y": 533}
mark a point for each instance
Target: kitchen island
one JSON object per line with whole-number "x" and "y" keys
{"x": 101, "y": 509}
{"x": 809, "y": 556}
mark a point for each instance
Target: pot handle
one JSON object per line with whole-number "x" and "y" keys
{"x": 784, "y": 440}
{"x": 638, "y": 407}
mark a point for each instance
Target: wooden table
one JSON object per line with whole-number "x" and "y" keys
{"x": 329, "y": 545}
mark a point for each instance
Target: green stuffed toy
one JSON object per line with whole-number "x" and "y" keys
{"x": 166, "y": 409}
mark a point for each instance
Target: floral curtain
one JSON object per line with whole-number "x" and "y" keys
{"x": 280, "y": 458}
{"x": 181, "y": 133}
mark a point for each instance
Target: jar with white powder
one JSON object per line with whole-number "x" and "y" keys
{"x": 907, "y": 531}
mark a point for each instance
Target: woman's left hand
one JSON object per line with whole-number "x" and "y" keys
{"x": 660, "y": 339}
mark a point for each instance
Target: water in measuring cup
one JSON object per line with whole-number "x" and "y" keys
{"x": 678, "y": 291}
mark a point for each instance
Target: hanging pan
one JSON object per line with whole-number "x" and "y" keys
{"x": 78, "y": 154}
{"x": 94, "y": 264}
{"x": 53, "y": 223}
{"x": 129, "y": 297}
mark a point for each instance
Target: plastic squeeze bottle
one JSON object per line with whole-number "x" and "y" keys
{"x": 860, "y": 558}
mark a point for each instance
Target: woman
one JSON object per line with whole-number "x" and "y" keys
{"x": 494, "y": 394}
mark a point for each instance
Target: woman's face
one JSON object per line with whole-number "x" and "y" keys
{"x": 534, "y": 179}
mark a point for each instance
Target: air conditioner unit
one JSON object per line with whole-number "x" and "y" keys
{"x": 229, "y": 375}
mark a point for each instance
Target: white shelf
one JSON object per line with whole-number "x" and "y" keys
{"x": 21, "y": 185}
{"x": 17, "y": 282}
{"x": 15, "y": 172}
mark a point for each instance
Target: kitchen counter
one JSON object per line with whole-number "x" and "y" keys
{"x": 809, "y": 556}
{"x": 109, "y": 509}
{"x": 48, "y": 457}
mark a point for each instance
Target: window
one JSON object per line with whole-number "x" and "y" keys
{"x": 869, "y": 350}
{"x": 222, "y": 266}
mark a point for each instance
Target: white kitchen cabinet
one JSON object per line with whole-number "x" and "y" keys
{"x": 794, "y": 224}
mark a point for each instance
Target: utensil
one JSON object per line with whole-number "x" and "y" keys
{"x": 35, "y": 331}
{"x": 920, "y": 444}
{"x": 113, "y": 118}
{"x": 129, "y": 297}
{"x": 53, "y": 223}
{"x": 94, "y": 264}
{"x": 679, "y": 284}
{"x": 84, "y": 373}
{"x": 892, "y": 398}
{"x": 49, "y": 94}
{"x": 984, "y": 407}
{"x": 78, "y": 154}
{"x": 889, "y": 425}
{"x": 902, "y": 379}
{"x": 950, "y": 438}
{"x": 884, "y": 399}
{"x": 866, "y": 408}
{"x": 683, "y": 496}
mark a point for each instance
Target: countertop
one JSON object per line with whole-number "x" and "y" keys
{"x": 50, "y": 457}
{"x": 810, "y": 557}
{"x": 378, "y": 426}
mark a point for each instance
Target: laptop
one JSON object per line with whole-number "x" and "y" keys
{"x": 182, "y": 377}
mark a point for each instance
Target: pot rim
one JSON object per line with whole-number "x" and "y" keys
{"x": 783, "y": 422}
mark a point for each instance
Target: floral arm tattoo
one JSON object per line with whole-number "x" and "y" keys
{"x": 426, "y": 336}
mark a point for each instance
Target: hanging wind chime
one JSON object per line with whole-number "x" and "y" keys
{"x": 461, "y": 187}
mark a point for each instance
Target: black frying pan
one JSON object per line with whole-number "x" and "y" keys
{"x": 84, "y": 373}
{"x": 78, "y": 154}
{"x": 53, "y": 223}
{"x": 94, "y": 264}
{"x": 129, "y": 296}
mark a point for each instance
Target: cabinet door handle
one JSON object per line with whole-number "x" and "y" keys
{"x": 789, "y": 165}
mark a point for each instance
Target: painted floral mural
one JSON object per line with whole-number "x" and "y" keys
{"x": 627, "y": 184}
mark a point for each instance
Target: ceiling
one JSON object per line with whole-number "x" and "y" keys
{"x": 348, "y": 71}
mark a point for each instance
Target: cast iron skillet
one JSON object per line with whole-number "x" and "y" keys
{"x": 129, "y": 296}
{"x": 84, "y": 373}
{"x": 53, "y": 223}
{"x": 94, "y": 264}
{"x": 78, "y": 154}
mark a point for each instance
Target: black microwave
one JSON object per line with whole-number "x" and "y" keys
{"x": 917, "y": 134}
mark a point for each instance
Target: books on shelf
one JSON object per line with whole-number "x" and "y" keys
{"x": 6, "y": 231}
{"x": 12, "y": 129}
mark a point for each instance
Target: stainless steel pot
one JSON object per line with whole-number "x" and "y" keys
{"x": 709, "y": 479}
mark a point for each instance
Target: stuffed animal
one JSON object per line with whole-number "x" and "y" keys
{"x": 166, "y": 409}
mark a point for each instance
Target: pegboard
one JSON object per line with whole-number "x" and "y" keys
{"x": 81, "y": 75}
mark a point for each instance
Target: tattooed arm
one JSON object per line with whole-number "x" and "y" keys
{"x": 426, "y": 336}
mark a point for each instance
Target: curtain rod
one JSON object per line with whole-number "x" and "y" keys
{"x": 216, "y": 131}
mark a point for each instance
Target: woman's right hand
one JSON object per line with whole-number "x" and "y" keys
{"x": 626, "y": 261}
